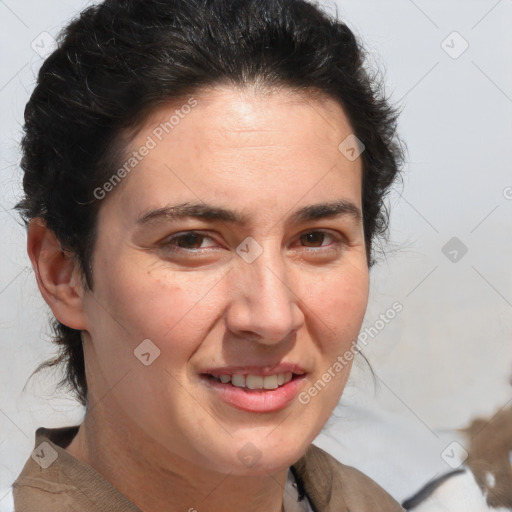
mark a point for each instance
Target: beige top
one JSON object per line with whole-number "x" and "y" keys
{"x": 52, "y": 480}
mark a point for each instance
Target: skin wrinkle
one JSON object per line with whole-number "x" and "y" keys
{"x": 179, "y": 440}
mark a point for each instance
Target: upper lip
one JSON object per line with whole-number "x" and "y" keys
{"x": 256, "y": 370}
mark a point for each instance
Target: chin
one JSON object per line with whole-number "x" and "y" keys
{"x": 245, "y": 458}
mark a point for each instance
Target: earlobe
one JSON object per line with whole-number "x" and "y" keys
{"x": 57, "y": 275}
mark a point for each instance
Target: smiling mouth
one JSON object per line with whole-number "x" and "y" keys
{"x": 252, "y": 382}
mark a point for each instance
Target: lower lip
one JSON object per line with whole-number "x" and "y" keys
{"x": 256, "y": 400}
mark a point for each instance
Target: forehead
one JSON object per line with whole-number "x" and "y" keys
{"x": 244, "y": 147}
{"x": 251, "y": 111}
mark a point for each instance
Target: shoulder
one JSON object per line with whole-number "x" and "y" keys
{"x": 332, "y": 485}
{"x": 43, "y": 484}
{"x": 52, "y": 480}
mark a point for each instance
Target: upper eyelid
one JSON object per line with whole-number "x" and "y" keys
{"x": 339, "y": 237}
{"x": 181, "y": 234}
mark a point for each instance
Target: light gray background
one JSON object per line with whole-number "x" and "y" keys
{"x": 447, "y": 356}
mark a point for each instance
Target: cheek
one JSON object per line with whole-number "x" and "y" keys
{"x": 172, "y": 309}
{"x": 339, "y": 303}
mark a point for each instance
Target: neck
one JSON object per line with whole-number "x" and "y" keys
{"x": 157, "y": 480}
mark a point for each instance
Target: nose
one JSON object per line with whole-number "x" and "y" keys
{"x": 264, "y": 306}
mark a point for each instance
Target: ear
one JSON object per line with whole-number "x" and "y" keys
{"x": 57, "y": 275}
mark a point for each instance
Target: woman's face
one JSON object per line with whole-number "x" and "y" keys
{"x": 234, "y": 245}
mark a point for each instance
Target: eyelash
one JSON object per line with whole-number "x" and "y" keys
{"x": 169, "y": 243}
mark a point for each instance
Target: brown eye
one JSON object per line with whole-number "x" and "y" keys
{"x": 313, "y": 238}
{"x": 190, "y": 241}
{"x": 321, "y": 243}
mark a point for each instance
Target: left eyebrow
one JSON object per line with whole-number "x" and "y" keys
{"x": 327, "y": 210}
{"x": 217, "y": 213}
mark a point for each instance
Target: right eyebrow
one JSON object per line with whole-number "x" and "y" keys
{"x": 195, "y": 210}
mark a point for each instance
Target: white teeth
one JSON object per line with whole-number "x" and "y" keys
{"x": 270, "y": 382}
{"x": 238, "y": 380}
{"x": 253, "y": 382}
{"x": 256, "y": 381}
